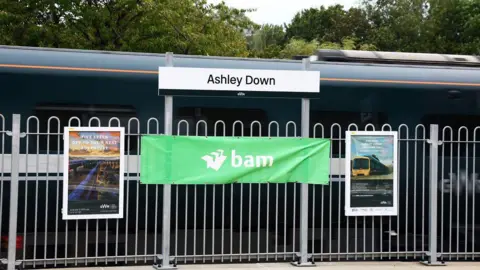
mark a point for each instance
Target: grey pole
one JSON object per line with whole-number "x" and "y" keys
{"x": 303, "y": 258}
{"x": 167, "y": 189}
{"x": 12, "y": 228}
{"x": 433, "y": 168}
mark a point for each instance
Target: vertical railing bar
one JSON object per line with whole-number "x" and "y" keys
{"x": 12, "y": 224}
{"x": 222, "y": 232}
{"x": 249, "y": 220}
{"x": 423, "y": 190}
{"x": 339, "y": 232}
{"x": 127, "y": 180}
{"x": 415, "y": 195}
{"x": 347, "y": 217}
{"x": 88, "y": 221}
{"x": 399, "y": 160}
{"x": 117, "y": 222}
{"x": 2, "y": 174}
{"x": 294, "y": 194}
{"x": 450, "y": 242}
{"x": 433, "y": 183}
{"x": 213, "y": 222}
{"x": 106, "y": 220}
{"x": 285, "y": 210}
{"x": 442, "y": 206}
{"x": 406, "y": 185}
{"x": 96, "y": 241}
{"x": 204, "y": 235}
{"x": 457, "y": 251}
{"x": 147, "y": 187}
{"x": 137, "y": 202}
{"x": 26, "y": 182}
{"x": 231, "y": 222}
{"x": 322, "y": 205}
{"x": 474, "y": 190}
{"x": 155, "y": 234}
{"x": 177, "y": 187}
{"x": 466, "y": 195}
{"x": 186, "y": 203}
{"x": 25, "y": 217}
{"x": 241, "y": 191}
{"x": 186, "y": 227}
{"x": 259, "y": 194}
{"x": 57, "y": 206}
{"x": 46, "y": 188}
{"x": 330, "y": 197}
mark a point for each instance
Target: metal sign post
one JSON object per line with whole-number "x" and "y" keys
{"x": 304, "y": 259}
{"x": 165, "y": 261}
{"x": 433, "y": 213}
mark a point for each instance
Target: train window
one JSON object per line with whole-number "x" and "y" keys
{"x": 192, "y": 115}
{"x": 50, "y": 140}
{"x": 343, "y": 119}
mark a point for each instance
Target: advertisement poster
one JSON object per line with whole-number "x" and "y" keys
{"x": 371, "y": 187}
{"x": 93, "y": 173}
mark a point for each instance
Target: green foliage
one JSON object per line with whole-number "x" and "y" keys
{"x": 302, "y": 47}
{"x": 299, "y": 47}
{"x": 197, "y": 27}
{"x": 267, "y": 41}
{"x": 181, "y": 26}
{"x": 329, "y": 24}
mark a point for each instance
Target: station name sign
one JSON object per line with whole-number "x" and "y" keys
{"x": 238, "y": 80}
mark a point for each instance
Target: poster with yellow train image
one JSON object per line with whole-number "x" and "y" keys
{"x": 371, "y": 184}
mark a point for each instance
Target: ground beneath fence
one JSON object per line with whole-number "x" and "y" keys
{"x": 321, "y": 265}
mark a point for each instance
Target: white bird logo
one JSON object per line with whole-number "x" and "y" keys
{"x": 215, "y": 159}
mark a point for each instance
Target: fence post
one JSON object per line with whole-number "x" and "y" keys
{"x": 304, "y": 259}
{"x": 12, "y": 226}
{"x": 433, "y": 213}
{"x": 166, "y": 261}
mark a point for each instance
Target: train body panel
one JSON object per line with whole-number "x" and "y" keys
{"x": 105, "y": 85}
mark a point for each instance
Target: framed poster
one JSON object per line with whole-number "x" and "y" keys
{"x": 93, "y": 173}
{"x": 371, "y": 169}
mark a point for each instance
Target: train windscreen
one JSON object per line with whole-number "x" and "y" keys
{"x": 360, "y": 163}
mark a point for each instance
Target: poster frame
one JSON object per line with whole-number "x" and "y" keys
{"x": 370, "y": 211}
{"x": 66, "y": 140}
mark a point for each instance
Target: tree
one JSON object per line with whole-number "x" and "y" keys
{"x": 267, "y": 41}
{"x": 329, "y": 24}
{"x": 267, "y": 35}
{"x": 302, "y": 47}
{"x": 398, "y": 25}
{"x": 181, "y": 26}
{"x": 33, "y": 23}
{"x": 429, "y": 26}
{"x": 455, "y": 27}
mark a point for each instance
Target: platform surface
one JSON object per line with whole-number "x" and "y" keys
{"x": 320, "y": 265}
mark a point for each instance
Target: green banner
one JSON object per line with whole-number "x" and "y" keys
{"x": 225, "y": 160}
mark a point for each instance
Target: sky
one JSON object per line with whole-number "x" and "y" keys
{"x": 280, "y": 11}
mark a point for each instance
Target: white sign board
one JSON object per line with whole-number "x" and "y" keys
{"x": 371, "y": 169}
{"x": 255, "y": 80}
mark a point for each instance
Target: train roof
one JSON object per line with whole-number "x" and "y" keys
{"x": 337, "y": 67}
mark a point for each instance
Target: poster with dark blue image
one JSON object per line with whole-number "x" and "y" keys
{"x": 371, "y": 173}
